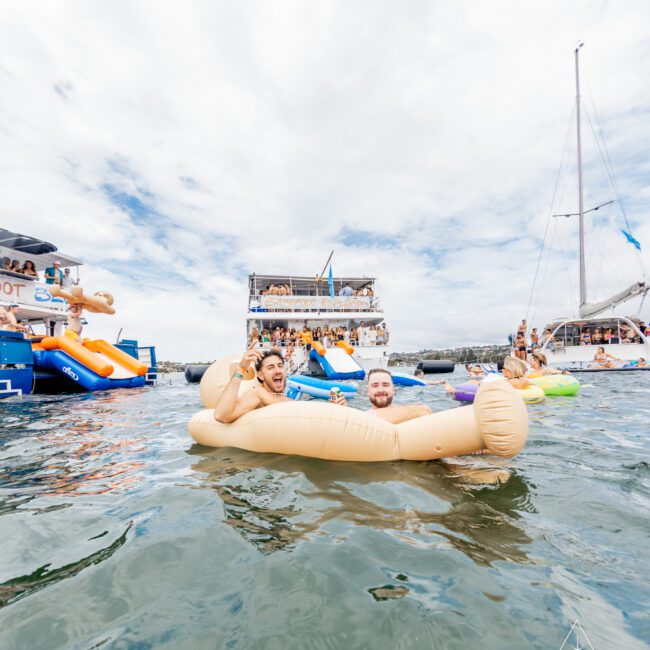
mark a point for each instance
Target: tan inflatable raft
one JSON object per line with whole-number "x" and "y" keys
{"x": 497, "y": 422}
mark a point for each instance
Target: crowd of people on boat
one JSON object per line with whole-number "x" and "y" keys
{"x": 286, "y": 290}
{"x": 525, "y": 342}
{"x": 284, "y": 337}
{"x": 51, "y": 275}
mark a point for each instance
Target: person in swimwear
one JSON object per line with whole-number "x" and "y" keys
{"x": 597, "y": 337}
{"x": 74, "y": 319}
{"x": 520, "y": 346}
{"x": 11, "y": 322}
{"x": 419, "y": 373}
{"x": 602, "y": 359}
{"x": 514, "y": 371}
{"x": 585, "y": 337}
{"x": 474, "y": 370}
{"x": 272, "y": 378}
{"x": 538, "y": 361}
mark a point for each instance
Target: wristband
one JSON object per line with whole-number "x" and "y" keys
{"x": 238, "y": 375}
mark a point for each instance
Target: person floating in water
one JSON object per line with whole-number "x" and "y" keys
{"x": 271, "y": 376}
{"x": 514, "y": 371}
{"x": 537, "y": 361}
{"x": 419, "y": 373}
{"x": 381, "y": 392}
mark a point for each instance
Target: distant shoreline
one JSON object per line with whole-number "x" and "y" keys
{"x": 475, "y": 353}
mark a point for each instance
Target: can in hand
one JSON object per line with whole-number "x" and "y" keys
{"x": 335, "y": 391}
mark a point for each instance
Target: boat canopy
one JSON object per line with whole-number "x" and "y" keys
{"x": 39, "y": 251}
{"x": 306, "y": 286}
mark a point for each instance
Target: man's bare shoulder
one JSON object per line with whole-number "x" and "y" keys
{"x": 397, "y": 414}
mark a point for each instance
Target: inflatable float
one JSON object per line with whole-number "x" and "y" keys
{"x": 554, "y": 385}
{"x": 467, "y": 392}
{"x": 402, "y": 379}
{"x": 497, "y": 422}
{"x": 320, "y": 388}
{"x": 101, "y": 302}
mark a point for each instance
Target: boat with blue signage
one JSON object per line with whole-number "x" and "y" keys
{"x": 38, "y": 353}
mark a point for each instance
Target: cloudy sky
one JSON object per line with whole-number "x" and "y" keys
{"x": 176, "y": 147}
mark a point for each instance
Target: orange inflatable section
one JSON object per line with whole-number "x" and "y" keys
{"x": 319, "y": 347}
{"x": 346, "y": 346}
{"x": 78, "y": 352}
{"x": 115, "y": 354}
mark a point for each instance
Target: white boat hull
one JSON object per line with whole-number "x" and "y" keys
{"x": 566, "y": 358}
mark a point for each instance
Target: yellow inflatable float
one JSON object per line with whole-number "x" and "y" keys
{"x": 497, "y": 423}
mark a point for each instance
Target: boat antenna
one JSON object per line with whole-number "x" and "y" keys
{"x": 581, "y": 213}
{"x": 320, "y": 275}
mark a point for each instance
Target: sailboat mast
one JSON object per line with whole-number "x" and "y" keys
{"x": 581, "y": 208}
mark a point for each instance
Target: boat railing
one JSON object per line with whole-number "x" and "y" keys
{"x": 320, "y": 304}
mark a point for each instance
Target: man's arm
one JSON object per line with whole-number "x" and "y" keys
{"x": 397, "y": 414}
{"x": 229, "y": 405}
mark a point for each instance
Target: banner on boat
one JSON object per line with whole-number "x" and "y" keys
{"x": 300, "y": 303}
{"x": 26, "y": 293}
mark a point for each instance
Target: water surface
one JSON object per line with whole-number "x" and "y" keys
{"x": 119, "y": 532}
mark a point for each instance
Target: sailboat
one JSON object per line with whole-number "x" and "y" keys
{"x": 571, "y": 343}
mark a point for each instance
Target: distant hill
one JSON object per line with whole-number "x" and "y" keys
{"x": 478, "y": 354}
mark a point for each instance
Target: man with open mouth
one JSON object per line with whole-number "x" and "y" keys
{"x": 271, "y": 375}
{"x": 272, "y": 379}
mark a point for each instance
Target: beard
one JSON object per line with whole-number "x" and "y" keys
{"x": 381, "y": 400}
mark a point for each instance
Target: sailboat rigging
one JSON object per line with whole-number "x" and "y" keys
{"x": 564, "y": 343}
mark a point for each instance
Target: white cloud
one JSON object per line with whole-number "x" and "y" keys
{"x": 257, "y": 134}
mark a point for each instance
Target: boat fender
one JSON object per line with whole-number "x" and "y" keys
{"x": 194, "y": 373}
{"x": 436, "y": 366}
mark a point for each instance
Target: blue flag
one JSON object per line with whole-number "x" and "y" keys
{"x": 631, "y": 239}
{"x": 330, "y": 281}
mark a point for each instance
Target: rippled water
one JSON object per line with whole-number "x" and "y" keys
{"x": 119, "y": 532}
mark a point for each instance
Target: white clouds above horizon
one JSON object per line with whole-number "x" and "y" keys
{"x": 259, "y": 136}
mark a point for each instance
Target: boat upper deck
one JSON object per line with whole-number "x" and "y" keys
{"x": 28, "y": 292}
{"x": 347, "y": 296}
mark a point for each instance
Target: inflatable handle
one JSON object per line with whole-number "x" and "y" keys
{"x": 319, "y": 347}
{"x": 99, "y": 303}
{"x": 346, "y": 346}
{"x": 497, "y": 421}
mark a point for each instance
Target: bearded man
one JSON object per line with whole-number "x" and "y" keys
{"x": 381, "y": 392}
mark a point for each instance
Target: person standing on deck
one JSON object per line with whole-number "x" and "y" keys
{"x": 53, "y": 274}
